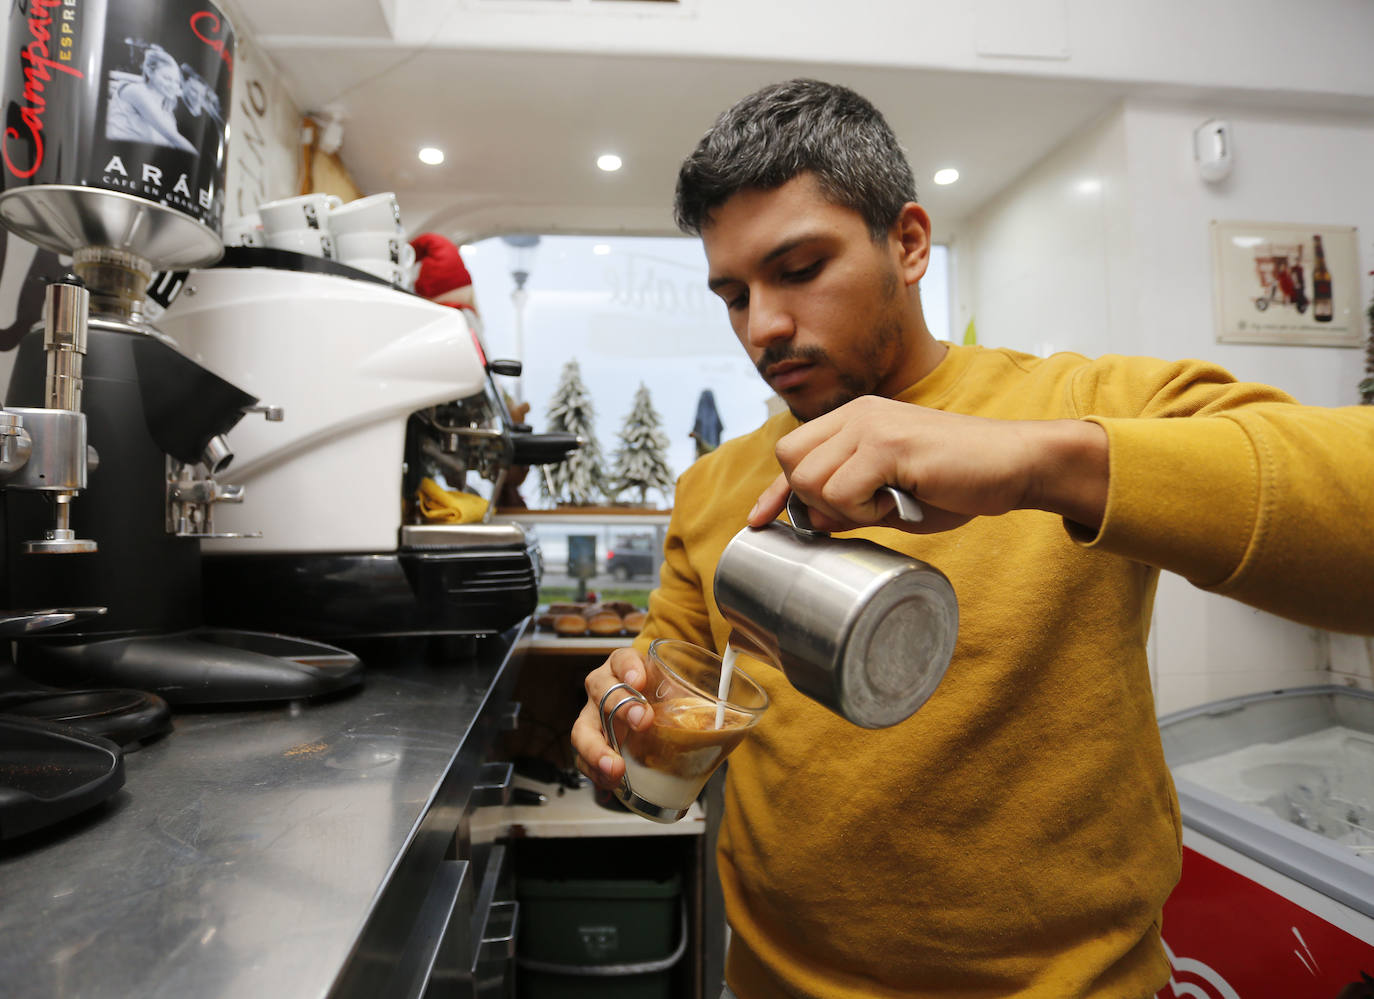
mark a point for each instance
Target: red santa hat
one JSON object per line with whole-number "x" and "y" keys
{"x": 441, "y": 269}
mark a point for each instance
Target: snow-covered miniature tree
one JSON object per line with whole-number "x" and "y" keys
{"x": 641, "y": 461}
{"x": 579, "y": 478}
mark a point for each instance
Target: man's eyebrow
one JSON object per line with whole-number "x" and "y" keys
{"x": 780, "y": 250}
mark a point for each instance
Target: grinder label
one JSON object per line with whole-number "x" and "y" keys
{"x": 42, "y": 37}
{"x": 127, "y": 95}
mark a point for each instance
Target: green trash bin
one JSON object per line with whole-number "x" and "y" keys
{"x": 597, "y": 938}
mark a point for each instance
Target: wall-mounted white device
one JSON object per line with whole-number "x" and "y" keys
{"x": 1212, "y": 150}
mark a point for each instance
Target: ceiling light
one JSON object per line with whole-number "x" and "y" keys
{"x": 431, "y": 155}
{"x": 608, "y": 162}
{"x": 601, "y": 249}
{"x": 946, "y": 176}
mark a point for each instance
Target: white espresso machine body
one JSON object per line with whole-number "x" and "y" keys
{"x": 348, "y": 361}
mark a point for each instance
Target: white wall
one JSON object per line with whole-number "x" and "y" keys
{"x": 1319, "y": 48}
{"x": 1103, "y": 247}
{"x": 1040, "y": 268}
{"x": 1288, "y": 169}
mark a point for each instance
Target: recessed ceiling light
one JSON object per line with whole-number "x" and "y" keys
{"x": 601, "y": 249}
{"x": 431, "y": 155}
{"x": 946, "y": 176}
{"x": 608, "y": 162}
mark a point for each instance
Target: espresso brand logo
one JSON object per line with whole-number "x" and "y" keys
{"x": 40, "y": 61}
{"x": 1194, "y": 979}
{"x": 207, "y": 26}
{"x": 149, "y": 180}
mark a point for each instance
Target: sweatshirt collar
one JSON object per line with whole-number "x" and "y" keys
{"x": 941, "y": 381}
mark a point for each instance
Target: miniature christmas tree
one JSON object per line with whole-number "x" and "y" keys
{"x": 641, "y": 461}
{"x": 578, "y": 479}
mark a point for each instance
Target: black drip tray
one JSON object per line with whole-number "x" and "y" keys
{"x": 50, "y": 772}
{"x": 127, "y": 718}
{"x": 203, "y": 666}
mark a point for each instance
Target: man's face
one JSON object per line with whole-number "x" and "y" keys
{"x": 820, "y": 307}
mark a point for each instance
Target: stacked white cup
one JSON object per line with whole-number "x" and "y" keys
{"x": 368, "y": 235}
{"x": 246, "y": 230}
{"x": 301, "y": 224}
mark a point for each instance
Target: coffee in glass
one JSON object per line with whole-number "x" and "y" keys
{"x": 695, "y": 726}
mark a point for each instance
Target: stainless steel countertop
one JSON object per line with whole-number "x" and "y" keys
{"x": 247, "y": 848}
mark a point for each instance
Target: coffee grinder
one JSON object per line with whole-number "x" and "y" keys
{"x": 114, "y": 153}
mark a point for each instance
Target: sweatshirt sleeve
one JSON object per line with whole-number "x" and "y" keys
{"x": 1268, "y": 502}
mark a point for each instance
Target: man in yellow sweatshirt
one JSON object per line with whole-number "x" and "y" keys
{"x": 1018, "y": 835}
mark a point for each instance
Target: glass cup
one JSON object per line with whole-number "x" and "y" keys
{"x": 693, "y": 729}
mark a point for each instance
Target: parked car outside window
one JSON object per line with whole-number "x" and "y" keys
{"x": 631, "y": 555}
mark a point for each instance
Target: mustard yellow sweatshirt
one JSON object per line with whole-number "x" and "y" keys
{"x": 1019, "y": 834}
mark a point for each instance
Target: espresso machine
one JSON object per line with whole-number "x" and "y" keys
{"x": 384, "y": 389}
{"x": 129, "y": 508}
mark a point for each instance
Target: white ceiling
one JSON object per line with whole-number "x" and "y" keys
{"x": 521, "y": 130}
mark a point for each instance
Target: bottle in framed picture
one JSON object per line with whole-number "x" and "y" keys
{"x": 1322, "y": 310}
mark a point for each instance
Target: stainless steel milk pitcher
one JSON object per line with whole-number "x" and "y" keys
{"x": 861, "y": 629}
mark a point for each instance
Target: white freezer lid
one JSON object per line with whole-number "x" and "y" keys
{"x": 1222, "y": 727}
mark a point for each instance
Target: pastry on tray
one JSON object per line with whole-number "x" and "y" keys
{"x": 571, "y": 625}
{"x": 606, "y": 619}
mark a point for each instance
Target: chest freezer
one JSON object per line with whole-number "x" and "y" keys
{"x": 1276, "y": 794}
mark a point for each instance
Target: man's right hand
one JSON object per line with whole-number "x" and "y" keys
{"x": 595, "y": 757}
{"x": 958, "y": 467}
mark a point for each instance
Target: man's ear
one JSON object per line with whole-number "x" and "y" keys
{"x": 910, "y": 236}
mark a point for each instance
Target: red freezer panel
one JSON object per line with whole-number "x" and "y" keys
{"x": 1229, "y": 937}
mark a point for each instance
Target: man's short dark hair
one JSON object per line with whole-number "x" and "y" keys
{"x": 786, "y": 129}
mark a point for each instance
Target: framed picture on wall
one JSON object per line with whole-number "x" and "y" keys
{"x": 1286, "y": 283}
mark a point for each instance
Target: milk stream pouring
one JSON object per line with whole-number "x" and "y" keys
{"x": 861, "y": 629}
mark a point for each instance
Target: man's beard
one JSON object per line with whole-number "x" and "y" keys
{"x": 878, "y": 354}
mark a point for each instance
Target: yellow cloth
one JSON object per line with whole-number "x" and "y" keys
{"x": 448, "y": 506}
{"x": 1018, "y": 836}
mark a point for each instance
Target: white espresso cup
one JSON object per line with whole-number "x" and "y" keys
{"x": 311, "y": 242}
{"x": 243, "y": 231}
{"x": 374, "y": 213}
{"x": 374, "y": 246}
{"x": 308, "y": 211}
{"x": 381, "y": 268}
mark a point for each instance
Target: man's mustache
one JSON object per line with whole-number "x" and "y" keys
{"x": 781, "y": 352}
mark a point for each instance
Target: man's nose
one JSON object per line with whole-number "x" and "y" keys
{"x": 769, "y": 320}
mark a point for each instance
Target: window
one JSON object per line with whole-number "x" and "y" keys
{"x": 630, "y": 310}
